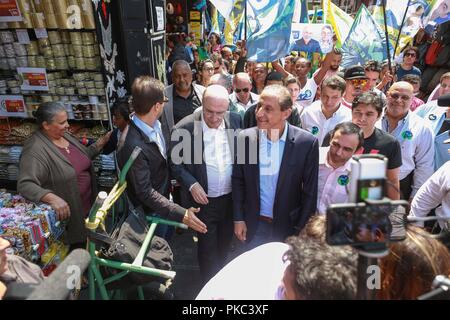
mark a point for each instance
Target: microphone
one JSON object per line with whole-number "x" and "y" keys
{"x": 440, "y": 281}
{"x": 444, "y": 101}
{"x": 65, "y": 278}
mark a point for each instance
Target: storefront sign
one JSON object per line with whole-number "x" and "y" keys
{"x": 12, "y": 106}
{"x": 9, "y": 11}
{"x": 33, "y": 79}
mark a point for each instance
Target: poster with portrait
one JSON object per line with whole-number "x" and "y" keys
{"x": 312, "y": 38}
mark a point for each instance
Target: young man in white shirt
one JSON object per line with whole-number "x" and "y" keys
{"x": 414, "y": 136}
{"x": 334, "y": 169}
{"x": 323, "y": 115}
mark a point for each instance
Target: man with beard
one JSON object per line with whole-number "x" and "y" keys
{"x": 414, "y": 136}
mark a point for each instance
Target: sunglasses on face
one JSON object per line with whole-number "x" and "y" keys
{"x": 395, "y": 96}
{"x": 410, "y": 54}
{"x": 244, "y": 89}
{"x": 359, "y": 82}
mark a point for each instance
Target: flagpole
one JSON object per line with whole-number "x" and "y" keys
{"x": 245, "y": 20}
{"x": 401, "y": 27}
{"x": 386, "y": 34}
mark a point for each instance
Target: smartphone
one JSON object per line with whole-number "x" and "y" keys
{"x": 358, "y": 224}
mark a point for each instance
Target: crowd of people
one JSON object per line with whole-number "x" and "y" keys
{"x": 259, "y": 151}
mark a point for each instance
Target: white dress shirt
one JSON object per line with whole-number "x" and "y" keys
{"x": 218, "y": 160}
{"x": 314, "y": 121}
{"x": 435, "y": 191}
{"x": 417, "y": 145}
{"x": 332, "y": 186}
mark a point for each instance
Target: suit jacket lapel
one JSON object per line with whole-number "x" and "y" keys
{"x": 254, "y": 169}
{"x": 197, "y": 153}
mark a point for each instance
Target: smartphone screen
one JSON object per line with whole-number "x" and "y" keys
{"x": 358, "y": 224}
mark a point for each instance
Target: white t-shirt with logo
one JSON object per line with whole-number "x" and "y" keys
{"x": 307, "y": 93}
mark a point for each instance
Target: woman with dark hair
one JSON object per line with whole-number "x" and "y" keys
{"x": 56, "y": 169}
{"x": 206, "y": 71}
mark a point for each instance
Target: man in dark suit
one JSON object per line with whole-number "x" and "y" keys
{"x": 148, "y": 177}
{"x": 202, "y": 158}
{"x": 275, "y": 178}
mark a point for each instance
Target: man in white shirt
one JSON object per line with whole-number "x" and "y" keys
{"x": 242, "y": 91}
{"x": 433, "y": 193}
{"x": 414, "y": 136}
{"x": 334, "y": 169}
{"x": 202, "y": 158}
{"x": 323, "y": 115}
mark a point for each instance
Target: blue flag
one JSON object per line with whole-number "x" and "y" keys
{"x": 365, "y": 41}
{"x": 269, "y": 29}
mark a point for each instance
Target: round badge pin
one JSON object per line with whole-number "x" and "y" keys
{"x": 315, "y": 130}
{"x": 432, "y": 117}
{"x": 407, "y": 135}
{"x": 343, "y": 180}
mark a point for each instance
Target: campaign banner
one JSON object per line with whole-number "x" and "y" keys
{"x": 365, "y": 41}
{"x": 33, "y": 79}
{"x": 269, "y": 27}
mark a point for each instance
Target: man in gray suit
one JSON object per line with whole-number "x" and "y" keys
{"x": 202, "y": 158}
{"x": 184, "y": 97}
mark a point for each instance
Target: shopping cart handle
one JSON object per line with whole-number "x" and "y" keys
{"x": 167, "y": 222}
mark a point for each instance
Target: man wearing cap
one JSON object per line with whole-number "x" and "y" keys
{"x": 355, "y": 80}
{"x": 414, "y": 136}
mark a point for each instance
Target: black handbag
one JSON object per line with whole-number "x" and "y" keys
{"x": 125, "y": 243}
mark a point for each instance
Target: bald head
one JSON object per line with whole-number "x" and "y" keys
{"x": 215, "y": 105}
{"x": 221, "y": 80}
{"x": 402, "y": 85}
{"x": 399, "y": 98}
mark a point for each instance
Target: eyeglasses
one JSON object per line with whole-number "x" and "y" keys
{"x": 395, "y": 96}
{"x": 359, "y": 82}
{"x": 208, "y": 69}
{"x": 410, "y": 54}
{"x": 239, "y": 90}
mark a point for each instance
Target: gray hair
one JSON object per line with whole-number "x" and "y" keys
{"x": 47, "y": 111}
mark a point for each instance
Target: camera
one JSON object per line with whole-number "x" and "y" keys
{"x": 370, "y": 219}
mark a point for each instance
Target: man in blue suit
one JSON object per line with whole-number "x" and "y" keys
{"x": 274, "y": 180}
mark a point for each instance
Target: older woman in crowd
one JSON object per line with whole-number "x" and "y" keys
{"x": 56, "y": 169}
